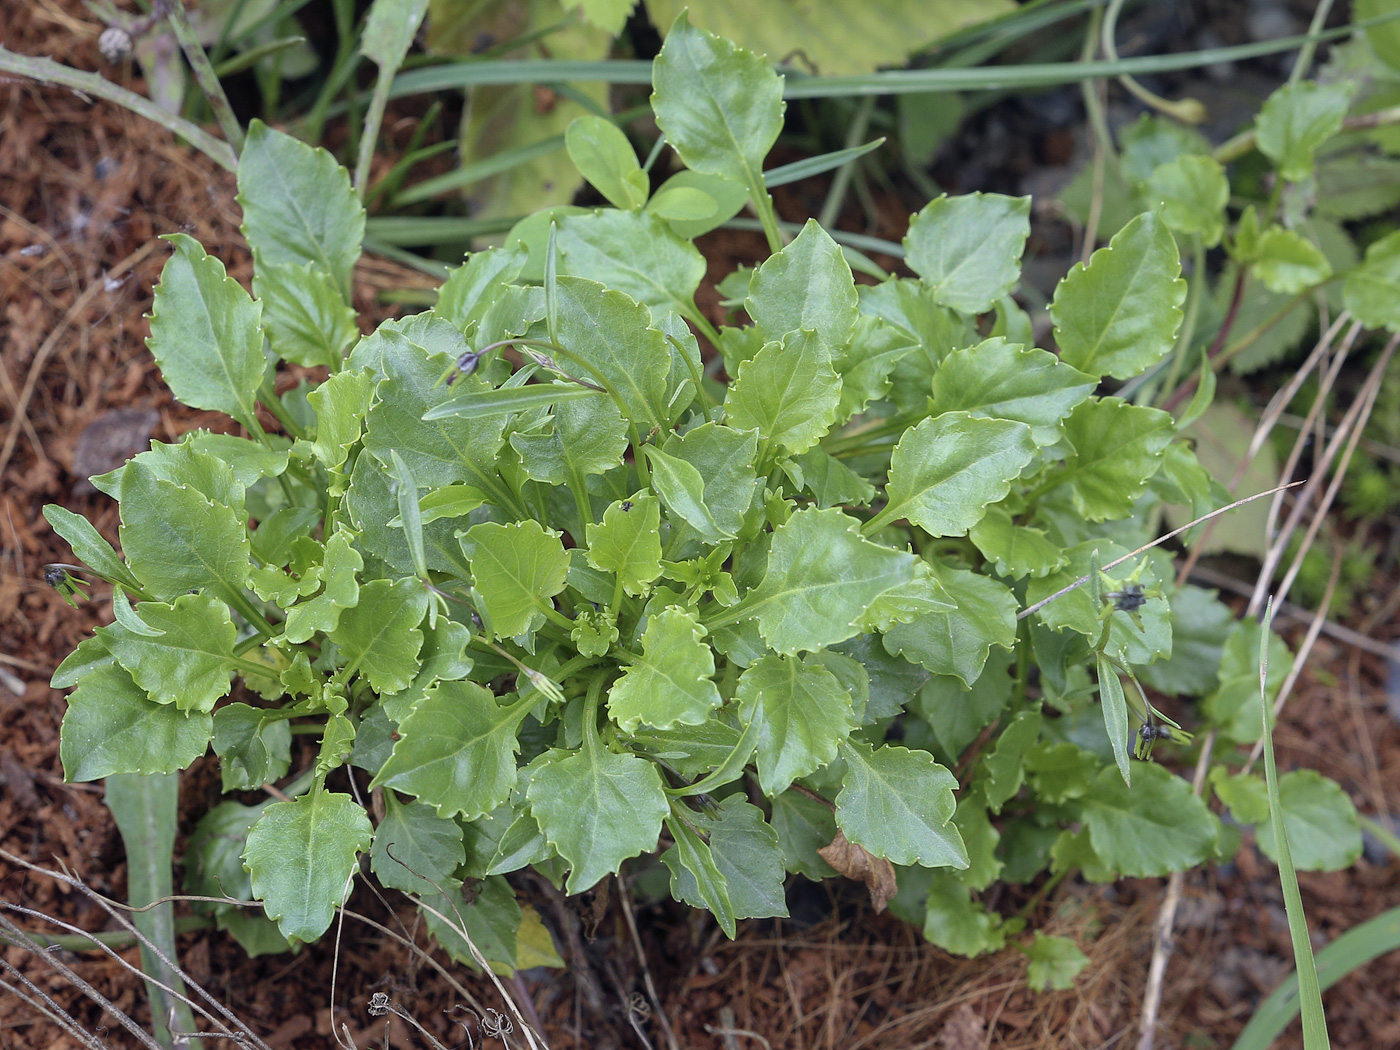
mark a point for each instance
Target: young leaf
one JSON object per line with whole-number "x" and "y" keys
{"x": 1005, "y": 767}
{"x": 177, "y": 541}
{"x": 1054, "y": 963}
{"x": 966, "y": 249}
{"x": 112, "y": 726}
{"x": 946, "y": 471}
{"x": 378, "y": 637}
{"x": 1155, "y": 827}
{"x": 955, "y": 923}
{"x": 802, "y": 712}
{"x": 1289, "y": 263}
{"x": 724, "y": 458}
{"x": 456, "y": 751}
{"x": 682, "y": 488}
{"x": 628, "y": 542}
{"x": 788, "y": 392}
{"x": 899, "y": 805}
{"x": 806, "y": 286}
{"x": 515, "y": 569}
{"x": 304, "y": 313}
{"x": 206, "y": 334}
{"x": 188, "y": 664}
{"x": 1007, "y": 381}
{"x": 1372, "y": 290}
{"x": 1298, "y": 118}
{"x": 89, "y": 546}
{"x": 956, "y": 641}
{"x": 1118, "y": 315}
{"x": 720, "y": 106}
{"x": 582, "y": 437}
{"x": 415, "y": 850}
{"x": 302, "y": 856}
{"x": 1192, "y": 191}
{"x": 597, "y": 808}
{"x": 604, "y": 157}
{"x": 340, "y": 403}
{"x": 298, "y": 205}
{"x": 1017, "y": 550}
{"x": 252, "y": 748}
{"x": 726, "y": 198}
{"x": 340, "y": 569}
{"x": 1117, "y": 448}
{"x": 1115, "y": 715}
{"x": 1234, "y": 705}
{"x": 821, "y": 580}
{"x": 670, "y": 685}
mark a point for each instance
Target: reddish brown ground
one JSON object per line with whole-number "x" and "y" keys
{"x": 84, "y": 187}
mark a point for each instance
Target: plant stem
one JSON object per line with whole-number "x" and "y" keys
{"x": 47, "y": 71}
{"x": 86, "y": 942}
{"x": 204, "y": 74}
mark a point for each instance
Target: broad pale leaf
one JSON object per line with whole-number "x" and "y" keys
{"x": 899, "y": 805}
{"x": 456, "y": 751}
{"x": 177, "y": 541}
{"x": 671, "y": 684}
{"x": 414, "y": 849}
{"x": 112, "y": 726}
{"x": 822, "y": 577}
{"x": 1016, "y": 550}
{"x": 582, "y": 437}
{"x": 1155, "y": 827}
{"x": 788, "y": 392}
{"x": 1054, "y": 963}
{"x": 1007, "y": 381}
{"x": 876, "y": 347}
{"x": 1372, "y": 290}
{"x": 298, "y": 205}
{"x": 390, "y": 29}
{"x": 627, "y": 542}
{"x": 947, "y": 470}
{"x": 725, "y": 459}
{"x": 1117, "y": 448}
{"x": 378, "y": 637}
{"x": 302, "y": 856}
{"x": 967, "y": 249}
{"x": 305, "y": 314}
{"x": 803, "y": 713}
{"x": 597, "y": 808}
{"x": 682, "y": 488}
{"x": 632, "y": 252}
{"x": 340, "y": 568}
{"x": 957, "y": 641}
{"x": 89, "y": 546}
{"x": 720, "y": 106}
{"x": 206, "y": 334}
{"x": 956, "y": 923}
{"x": 1320, "y": 821}
{"x": 340, "y": 403}
{"x": 1298, "y": 118}
{"x": 603, "y": 156}
{"x": 1289, "y": 263}
{"x": 1118, "y": 315}
{"x": 188, "y": 664}
{"x": 515, "y": 568}
{"x": 806, "y": 286}
{"x": 473, "y": 290}
{"x": 1192, "y": 191}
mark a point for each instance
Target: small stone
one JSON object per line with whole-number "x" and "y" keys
{"x": 115, "y": 43}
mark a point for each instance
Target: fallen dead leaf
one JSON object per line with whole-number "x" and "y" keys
{"x": 854, "y": 862}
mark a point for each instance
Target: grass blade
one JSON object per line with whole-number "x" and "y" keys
{"x": 802, "y": 169}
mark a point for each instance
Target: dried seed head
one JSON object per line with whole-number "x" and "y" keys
{"x": 115, "y": 43}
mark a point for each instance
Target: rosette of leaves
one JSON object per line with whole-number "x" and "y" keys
{"x": 564, "y": 598}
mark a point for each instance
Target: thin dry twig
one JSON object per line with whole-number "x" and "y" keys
{"x": 661, "y": 1017}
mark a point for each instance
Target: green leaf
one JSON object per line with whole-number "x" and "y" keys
{"x": 1200, "y": 623}
{"x": 206, "y": 334}
{"x": 340, "y": 568}
{"x": 476, "y": 290}
{"x": 1005, "y": 766}
{"x": 746, "y": 856}
{"x": 1118, "y": 315}
{"x": 1117, "y": 448}
{"x": 1007, "y": 381}
{"x": 957, "y": 714}
{"x": 298, "y": 205}
{"x": 390, "y": 29}
{"x": 1372, "y": 290}
{"x": 724, "y": 458}
{"x": 727, "y": 198}
{"x": 1287, "y": 262}
{"x": 946, "y": 471}
{"x": 580, "y": 437}
{"x": 980, "y": 839}
{"x": 1054, "y": 963}
{"x": 632, "y": 252}
{"x": 378, "y": 637}
{"x": 671, "y": 684}
{"x": 89, "y": 546}
{"x": 682, "y": 488}
{"x": 1115, "y": 715}
{"x": 967, "y": 249}
{"x": 822, "y": 578}
{"x": 804, "y": 826}
{"x": 1017, "y": 550}
{"x": 876, "y": 347}
{"x": 603, "y": 156}
{"x": 806, "y": 286}
{"x": 898, "y": 804}
{"x": 188, "y": 664}
{"x": 112, "y": 726}
{"x": 1192, "y": 191}
{"x": 1155, "y": 827}
{"x": 304, "y": 314}
{"x": 609, "y": 334}
{"x": 492, "y": 920}
{"x": 955, "y": 923}
{"x": 89, "y": 656}
{"x": 802, "y": 712}
{"x": 502, "y": 401}
{"x": 1234, "y": 705}
{"x": 1319, "y": 820}
{"x": 695, "y": 877}
{"x": 1295, "y": 120}
{"x": 830, "y": 482}
{"x": 177, "y": 541}
{"x": 515, "y": 569}
{"x": 1247, "y": 795}
{"x": 302, "y": 856}
{"x": 340, "y": 403}
{"x": 720, "y": 106}
{"x": 628, "y": 542}
{"x": 788, "y": 392}
{"x": 252, "y": 748}
{"x": 214, "y": 868}
{"x": 596, "y": 808}
{"x": 957, "y": 641}
{"x": 456, "y": 751}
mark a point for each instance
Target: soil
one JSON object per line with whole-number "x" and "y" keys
{"x": 84, "y": 187}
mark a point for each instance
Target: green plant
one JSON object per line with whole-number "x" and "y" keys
{"x": 560, "y": 593}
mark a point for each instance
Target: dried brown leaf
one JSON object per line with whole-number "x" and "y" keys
{"x": 855, "y": 862}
